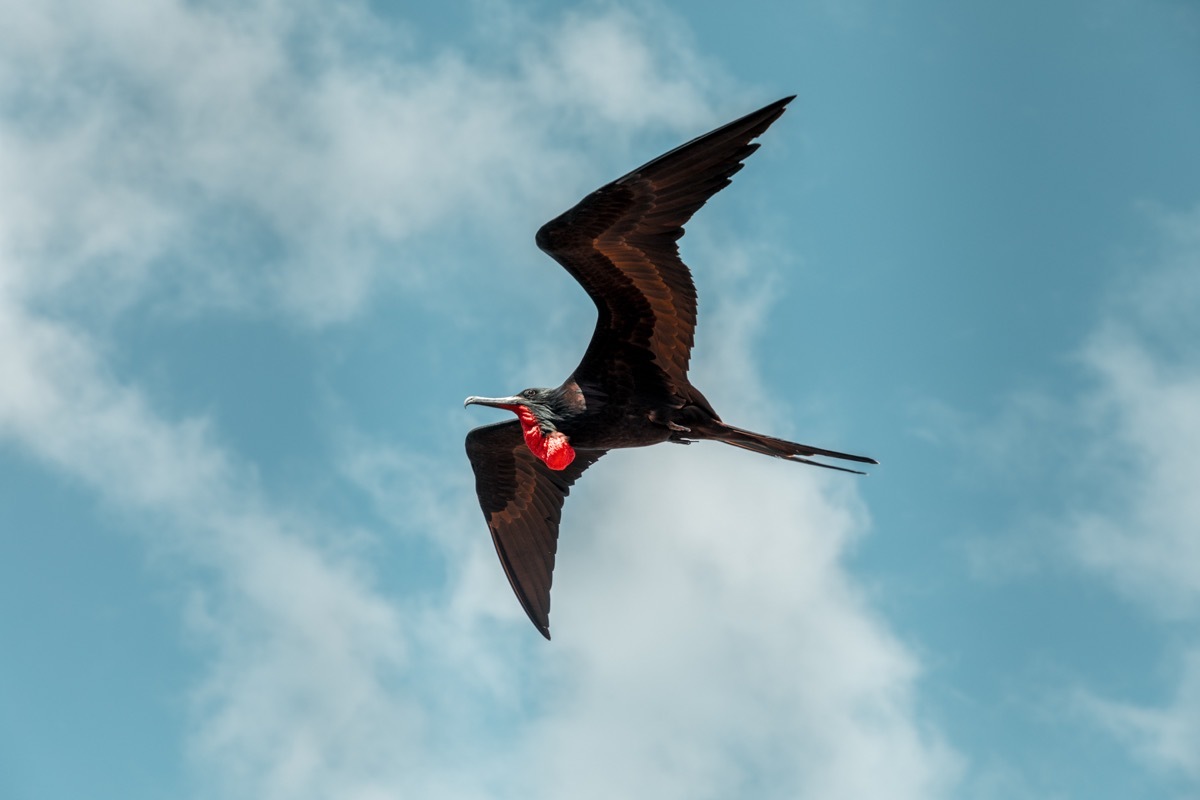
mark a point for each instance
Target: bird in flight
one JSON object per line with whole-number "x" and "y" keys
{"x": 631, "y": 389}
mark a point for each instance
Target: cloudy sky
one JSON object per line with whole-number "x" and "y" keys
{"x": 253, "y": 255}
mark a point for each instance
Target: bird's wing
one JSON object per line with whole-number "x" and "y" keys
{"x": 522, "y": 502}
{"x": 621, "y": 244}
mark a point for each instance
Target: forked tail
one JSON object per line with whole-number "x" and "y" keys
{"x": 770, "y": 446}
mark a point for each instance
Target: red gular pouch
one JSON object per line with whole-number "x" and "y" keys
{"x": 553, "y": 449}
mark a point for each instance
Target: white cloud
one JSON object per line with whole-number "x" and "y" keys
{"x": 252, "y": 158}
{"x": 1167, "y": 738}
{"x": 598, "y": 63}
{"x": 1124, "y": 448}
{"x": 1122, "y": 455}
{"x": 715, "y": 646}
{"x": 708, "y": 641}
{"x": 1139, "y": 524}
{"x": 1143, "y": 531}
{"x": 299, "y": 643}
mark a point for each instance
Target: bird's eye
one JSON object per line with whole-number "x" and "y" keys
{"x": 529, "y": 394}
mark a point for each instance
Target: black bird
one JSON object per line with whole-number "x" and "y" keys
{"x": 631, "y": 389}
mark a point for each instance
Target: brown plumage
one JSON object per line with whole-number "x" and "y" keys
{"x": 631, "y": 389}
{"x": 522, "y": 500}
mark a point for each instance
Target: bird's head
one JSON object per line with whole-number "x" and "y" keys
{"x": 538, "y": 410}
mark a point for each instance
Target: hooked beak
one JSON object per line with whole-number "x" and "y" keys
{"x": 495, "y": 402}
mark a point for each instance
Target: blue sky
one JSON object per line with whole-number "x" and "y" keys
{"x": 253, "y": 256}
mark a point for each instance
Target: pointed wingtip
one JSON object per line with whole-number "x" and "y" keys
{"x": 544, "y": 631}
{"x": 863, "y": 459}
{"x": 778, "y": 107}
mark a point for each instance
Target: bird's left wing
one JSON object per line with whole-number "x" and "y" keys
{"x": 522, "y": 502}
{"x": 621, "y": 243}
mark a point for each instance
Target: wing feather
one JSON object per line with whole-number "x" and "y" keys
{"x": 522, "y": 502}
{"x": 621, "y": 244}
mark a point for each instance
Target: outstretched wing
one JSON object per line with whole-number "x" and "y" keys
{"x": 522, "y": 502}
{"x": 621, "y": 244}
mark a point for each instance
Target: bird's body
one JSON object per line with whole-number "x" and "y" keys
{"x": 631, "y": 389}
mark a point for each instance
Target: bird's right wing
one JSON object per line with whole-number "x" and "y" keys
{"x": 522, "y": 502}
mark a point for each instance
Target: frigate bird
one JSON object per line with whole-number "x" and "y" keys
{"x": 631, "y": 389}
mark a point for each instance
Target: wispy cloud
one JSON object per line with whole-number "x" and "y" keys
{"x": 1168, "y": 737}
{"x": 708, "y": 639}
{"x": 1122, "y": 447}
{"x": 1144, "y": 531}
{"x": 717, "y": 646}
{"x": 1125, "y": 450}
{"x": 266, "y": 157}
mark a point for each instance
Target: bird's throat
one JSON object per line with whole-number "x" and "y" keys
{"x": 553, "y": 449}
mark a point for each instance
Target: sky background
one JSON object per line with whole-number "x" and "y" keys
{"x": 253, "y": 255}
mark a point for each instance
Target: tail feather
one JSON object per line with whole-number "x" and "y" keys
{"x": 780, "y": 448}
